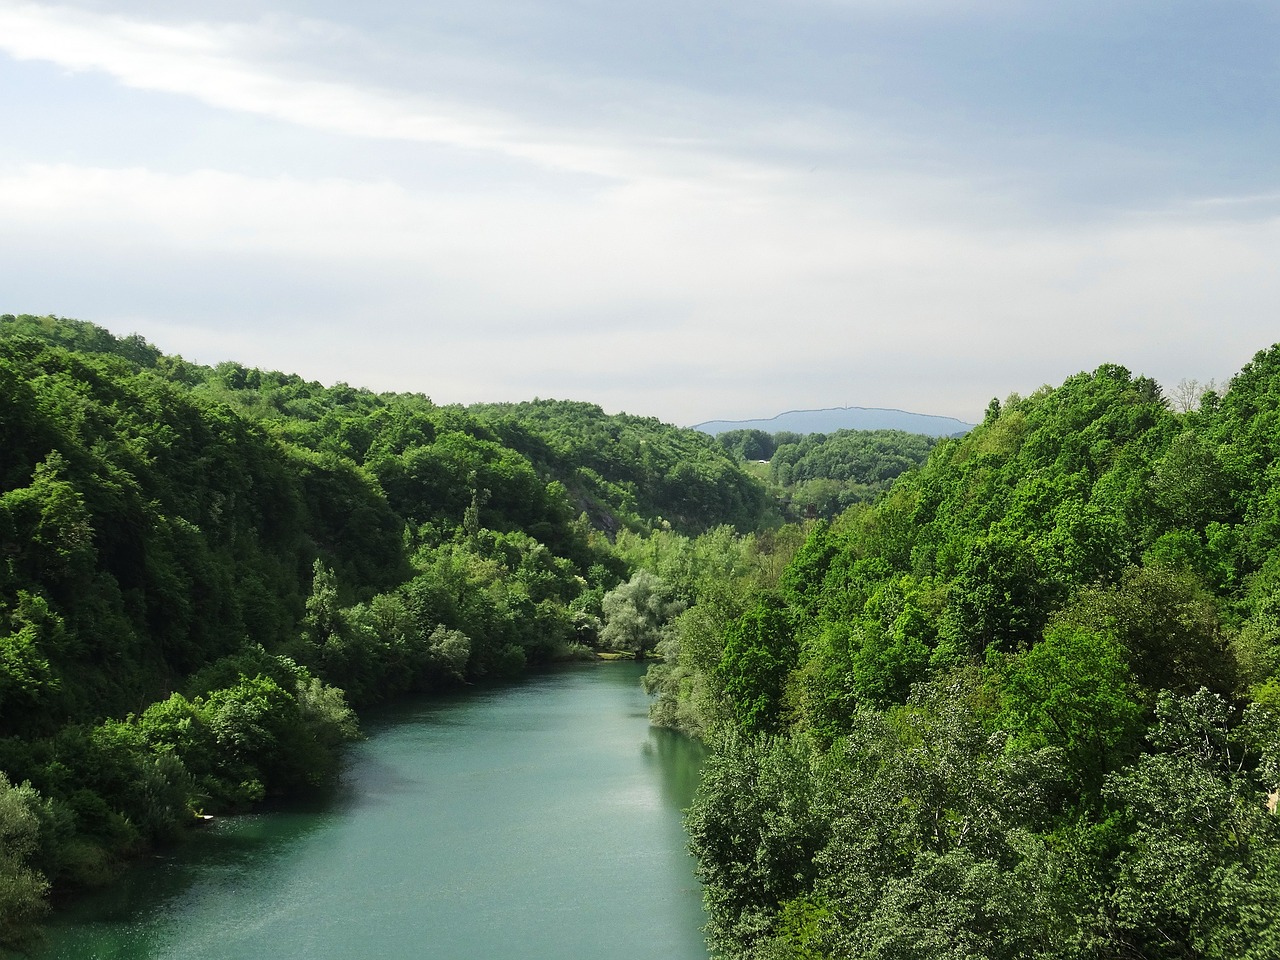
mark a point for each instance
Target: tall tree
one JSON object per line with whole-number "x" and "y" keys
{"x": 637, "y": 612}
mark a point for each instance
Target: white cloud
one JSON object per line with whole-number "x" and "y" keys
{"x": 611, "y": 128}
{"x": 699, "y": 271}
{"x": 232, "y": 67}
{"x": 661, "y": 297}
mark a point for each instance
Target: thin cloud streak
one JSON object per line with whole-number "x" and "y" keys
{"x": 204, "y": 61}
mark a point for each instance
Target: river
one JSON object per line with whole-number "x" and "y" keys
{"x": 539, "y": 820}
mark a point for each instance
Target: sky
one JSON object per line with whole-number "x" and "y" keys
{"x": 689, "y": 209}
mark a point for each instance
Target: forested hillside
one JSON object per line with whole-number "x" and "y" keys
{"x": 1025, "y": 705}
{"x": 203, "y": 569}
{"x": 818, "y": 475}
{"x": 619, "y": 466}
{"x": 1023, "y": 702}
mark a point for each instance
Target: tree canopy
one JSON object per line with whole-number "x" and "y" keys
{"x": 203, "y": 569}
{"x": 1011, "y": 694}
{"x": 1022, "y": 705}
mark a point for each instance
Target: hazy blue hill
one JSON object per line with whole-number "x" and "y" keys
{"x": 843, "y": 418}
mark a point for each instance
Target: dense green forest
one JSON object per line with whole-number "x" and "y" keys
{"x": 1027, "y": 704}
{"x": 819, "y": 475}
{"x": 204, "y": 569}
{"x": 1020, "y": 699}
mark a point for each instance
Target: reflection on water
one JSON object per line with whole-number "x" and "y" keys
{"x": 538, "y": 820}
{"x": 675, "y": 760}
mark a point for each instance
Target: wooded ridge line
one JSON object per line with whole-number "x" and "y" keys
{"x": 1009, "y": 694}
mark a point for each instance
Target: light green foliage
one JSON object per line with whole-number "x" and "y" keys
{"x": 637, "y": 612}
{"x": 323, "y": 622}
{"x": 324, "y": 712}
{"x": 897, "y": 640}
{"x": 799, "y": 930}
{"x": 22, "y": 888}
{"x": 47, "y": 525}
{"x": 801, "y": 583}
{"x": 717, "y": 574}
{"x": 255, "y": 736}
{"x": 1012, "y": 676}
{"x": 450, "y": 650}
{"x": 28, "y": 683}
{"x": 1071, "y": 691}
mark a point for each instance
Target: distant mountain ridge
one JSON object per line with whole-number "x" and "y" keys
{"x": 830, "y": 419}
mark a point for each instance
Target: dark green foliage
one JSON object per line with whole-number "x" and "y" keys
{"x": 96, "y": 793}
{"x": 759, "y": 653}
{"x": 756, "y": 827}
{"x": 1169, "y": 626}
{"x": 748, "y": 444}
{"x": 620, "y": 469}
{"x": 141, "y": 512}
{"x": 82, "y": 337}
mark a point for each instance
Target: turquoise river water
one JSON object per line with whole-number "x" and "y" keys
{"x": 541, "y": 820}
